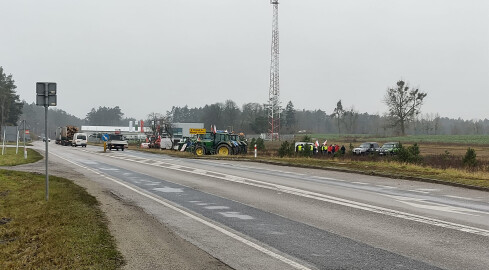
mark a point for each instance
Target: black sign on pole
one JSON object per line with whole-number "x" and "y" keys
{"x": 46, "y": 96}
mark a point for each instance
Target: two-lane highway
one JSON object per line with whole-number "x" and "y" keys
{"x": 257, "y": 216}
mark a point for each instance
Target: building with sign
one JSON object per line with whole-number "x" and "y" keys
{"x": 180, "y": 130}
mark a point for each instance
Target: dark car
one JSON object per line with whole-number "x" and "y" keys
{"x": 44, "y": 139}
{"x": 367, "y": 148}
{"x": 389, "y": 148}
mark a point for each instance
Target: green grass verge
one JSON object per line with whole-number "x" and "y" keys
{"x": 11, "y": 159}
{"x": 68, "y": 232}
{"x": 392, "y": 169}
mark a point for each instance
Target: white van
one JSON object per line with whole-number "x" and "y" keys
{"x": 79, "y": 139}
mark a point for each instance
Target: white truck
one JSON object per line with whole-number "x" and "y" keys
{"x": 116, "y": 141}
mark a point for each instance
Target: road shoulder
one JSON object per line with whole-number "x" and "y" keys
{"x": 144, "y": 242}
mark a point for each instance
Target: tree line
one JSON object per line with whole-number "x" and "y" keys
{"x": 251, "y": 118}
{"x": 403, "y": 116}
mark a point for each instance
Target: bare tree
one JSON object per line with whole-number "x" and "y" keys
{"x": 338, "y": 113}
{"x": 350, "y": 118}
{"x": 169, "y": 127}
{"x": 436, "y": 123}
{"x": 404, "y": 104}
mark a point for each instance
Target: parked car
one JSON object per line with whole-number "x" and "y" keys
{"x": 389, "y": 148}
{"x": 367, "y": 148}
{"x": 44, "y": 139}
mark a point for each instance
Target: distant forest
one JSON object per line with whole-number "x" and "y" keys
{"x": 251, "y": 118}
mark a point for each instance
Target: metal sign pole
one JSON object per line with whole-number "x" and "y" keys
{"x": 25, "y": 150}
{"x": 47, "y": 139}
{"x": 3, "y": 142}
{"x": 17, "y": 143}
{"x": 45, "y": 96}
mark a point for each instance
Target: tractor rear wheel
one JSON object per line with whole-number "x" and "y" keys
{"x": 199, "y": 151}
{"x": 223, "y": 150}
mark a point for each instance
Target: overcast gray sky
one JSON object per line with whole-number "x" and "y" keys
{"x": 146, "y": 56}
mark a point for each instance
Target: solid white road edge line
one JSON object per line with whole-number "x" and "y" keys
{"x": 205, "y": 222}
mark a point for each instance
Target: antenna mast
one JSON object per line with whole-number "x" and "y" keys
{"x": 274, "y": 91}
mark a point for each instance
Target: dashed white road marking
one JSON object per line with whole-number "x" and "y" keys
{"x": 462, "y": 198}
{"x": 423, "y": 204}
{"x": 216, "y": 207}
{"x": 169, "y": 190}
{"x": 360, "y": 183}
{"x": 237, "y": 215}
{"x": 387, "y": 187}
{"x": 108, "y": 169}
{"x": 419, "y": 191}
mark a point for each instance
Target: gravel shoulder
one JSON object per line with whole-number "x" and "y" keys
{"x": 144, "y": 242}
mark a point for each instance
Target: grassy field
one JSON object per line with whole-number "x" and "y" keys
{"x": 68, "y": 232}
{"x": 12, "y": 159}
{"x": 436, "y": 139}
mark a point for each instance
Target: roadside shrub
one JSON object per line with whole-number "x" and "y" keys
{"x": 252, "y": 145}
{"x": 351, "y": 147}
{"x": 291, "y": 149}
{"x": 306, "y": 138}
{"x": 260, "y": 144}
{"x": 286, "y": 149}
{"x": 307, "y": 152}
{"x": 409, "y": 154}
{"x": 470, "y": 158}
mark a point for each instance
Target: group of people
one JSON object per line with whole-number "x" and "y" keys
{"x": 323, "y": 149}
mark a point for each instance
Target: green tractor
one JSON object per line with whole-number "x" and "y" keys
{"x": 214, "y": 143}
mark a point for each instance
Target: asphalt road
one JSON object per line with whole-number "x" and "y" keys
{"x": 257, "y": 216}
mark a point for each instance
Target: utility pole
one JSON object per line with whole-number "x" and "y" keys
{"x": 274, "y": 90}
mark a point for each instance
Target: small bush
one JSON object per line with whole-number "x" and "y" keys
{"x": 307, "y": 152}
{"x": 306, "y": 138}
{"x": 351, "y": 147}
{"x": 409, "y": 154}
{"x": 260, "y": 144}
{"x": 470, "y": 158}
{"x": 284, "y": 149}
{"x": 252, "y": 144}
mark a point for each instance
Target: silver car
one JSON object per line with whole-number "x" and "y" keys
{"x": 367, "y": 148}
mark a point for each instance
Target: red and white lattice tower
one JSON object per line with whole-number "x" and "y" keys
{"x": 274, "y": 91}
